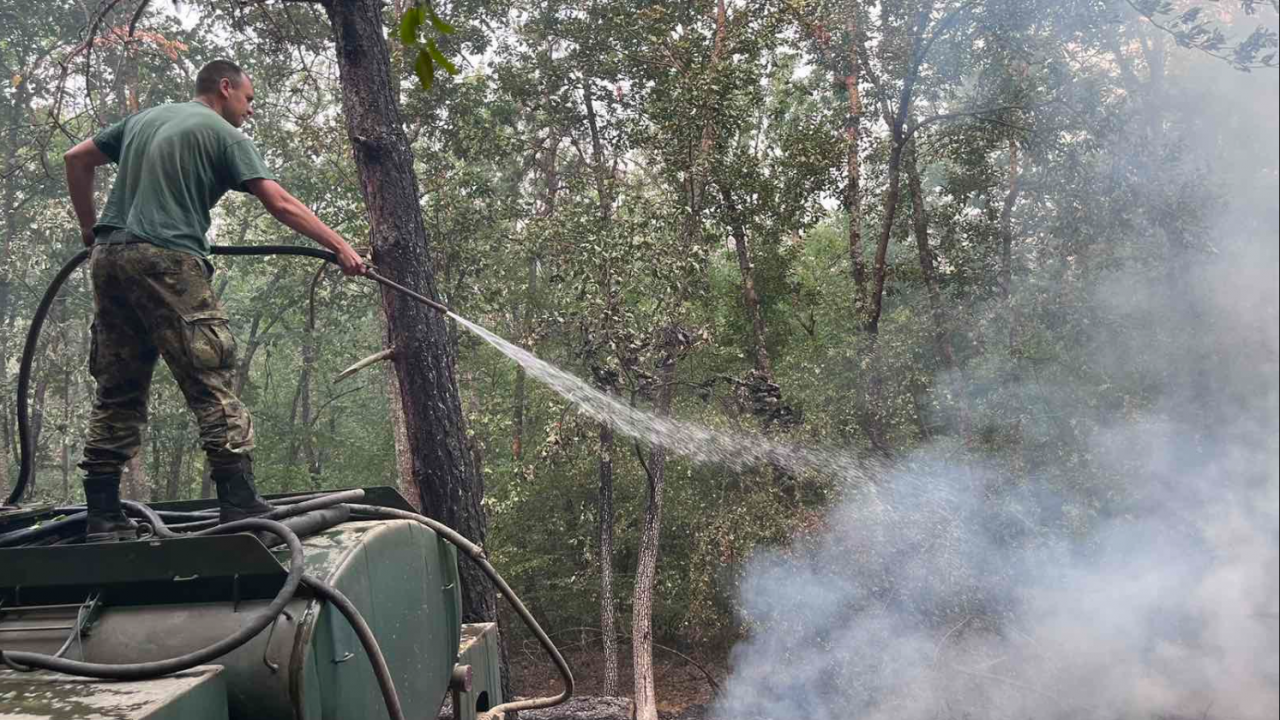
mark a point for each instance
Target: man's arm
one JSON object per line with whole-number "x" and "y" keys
{"x": 292, "y": 213}
{"x": 81, "y": 161}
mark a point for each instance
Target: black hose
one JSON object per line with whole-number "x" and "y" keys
{"x": 26, "y": 535}
{"x": 25, "y": 451}
{"x": 476, "y": 553}
{"x": 140, "y": 671}
{"x": 27, "y": 456}
{"x": 352, "y": 614}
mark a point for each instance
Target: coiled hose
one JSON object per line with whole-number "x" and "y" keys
{"x": 200, "y": 524}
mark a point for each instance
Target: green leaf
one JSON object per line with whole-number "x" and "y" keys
{"x": 424, "y": 69}
{"x": 440, "y": 58}
{"x": 409, "y": 25}
{"x": 441, "y": 26}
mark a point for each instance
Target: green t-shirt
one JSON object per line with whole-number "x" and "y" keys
{"x": 175, "y": 162}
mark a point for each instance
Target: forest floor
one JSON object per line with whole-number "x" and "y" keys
{"x": 684, "y": 692}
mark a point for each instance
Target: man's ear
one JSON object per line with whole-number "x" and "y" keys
{"x": 224, "y": 87}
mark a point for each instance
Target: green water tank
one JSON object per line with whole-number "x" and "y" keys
{"x": 165, "y": 598}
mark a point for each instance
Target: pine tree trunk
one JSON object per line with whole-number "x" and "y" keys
{"x": 443, "y": 467}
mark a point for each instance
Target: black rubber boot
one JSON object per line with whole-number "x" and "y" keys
{"x": 238, "y": 497}
{"x": 106, "y": 521}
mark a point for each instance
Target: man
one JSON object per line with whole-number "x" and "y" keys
{"x": 151, "y": 289}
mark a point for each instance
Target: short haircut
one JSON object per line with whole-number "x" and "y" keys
{"x": 210, "y": 76}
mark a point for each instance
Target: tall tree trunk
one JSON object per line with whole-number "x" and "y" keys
{"x": 937, "y": 309}
{"x": 399, "y": 432}
{"x": 136, "y": 484}
{"x": 646, "y": 700}
{"x": 1005, "y": 278}
{"x": 853, "y": 164}
{"x": 916, "y": 46}
{"x": 443, "y": 466}
{"x": 750, "y": 300}
{"x": 173, "y": 481}
{"x": 206, "y": 480}
{"x": 525, "y": 328}
{"x": 879, "y": 271}
{"x": 302, "y": 444}
{"x": 66, "y": 425}
{"x": 608, "y": 612}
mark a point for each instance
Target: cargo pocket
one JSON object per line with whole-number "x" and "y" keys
{"x": 208, "y": 339}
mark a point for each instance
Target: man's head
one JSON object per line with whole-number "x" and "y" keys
{"x": 223, "y": 86}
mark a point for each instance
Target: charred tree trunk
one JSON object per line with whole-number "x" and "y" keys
{"x": 646, "y": 700}
{"x": 443, "y": 467}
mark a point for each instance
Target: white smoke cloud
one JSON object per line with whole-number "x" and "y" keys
{"x": 945, "y": 594}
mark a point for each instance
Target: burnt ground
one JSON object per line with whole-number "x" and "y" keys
{"x": 604, "y": 708}
{"x": 684, "y": 692}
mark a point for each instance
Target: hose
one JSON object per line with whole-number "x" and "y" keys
{"x": 138, "y": 671}
{"x": 370, "y": 643}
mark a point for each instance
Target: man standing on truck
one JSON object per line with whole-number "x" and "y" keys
{"x": 152, "y": 296}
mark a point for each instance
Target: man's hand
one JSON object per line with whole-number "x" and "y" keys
{"x": 350, "y": 261}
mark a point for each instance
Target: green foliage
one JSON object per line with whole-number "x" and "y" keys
{"x": 411, "y": 27}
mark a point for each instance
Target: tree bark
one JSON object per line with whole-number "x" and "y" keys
{"x": 916, "y": 48}
{"x": 646, "y": 700}
{"x": 608, "y": 612}
{"x": 443, "y": 467}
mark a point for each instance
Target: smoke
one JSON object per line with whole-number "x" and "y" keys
{"x": 957, "y": 591}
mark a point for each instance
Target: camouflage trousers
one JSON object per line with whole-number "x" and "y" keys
{"x": 150, "y": 302}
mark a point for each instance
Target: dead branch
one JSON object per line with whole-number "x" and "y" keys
{"x": 387, "y": 354}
